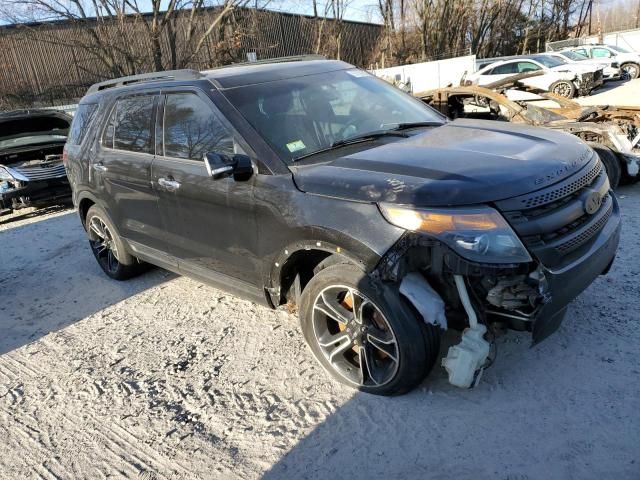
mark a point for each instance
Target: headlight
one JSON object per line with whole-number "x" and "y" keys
{"x": 479, "y": 234}
{"x": 7, "y": 173}
{"x": 4, "y": 174}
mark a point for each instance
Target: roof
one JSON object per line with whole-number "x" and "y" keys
{"x": 231, "y": 76}
{"x": 248, "y": 74}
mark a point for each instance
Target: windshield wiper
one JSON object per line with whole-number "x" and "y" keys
{"x": 365, "y": 137}
{"x": 368, "y": 136}
{"x": 407, "y": 125}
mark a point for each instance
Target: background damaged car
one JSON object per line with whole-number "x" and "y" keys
{"x": 31, "y": 168}
{"x": 613, "y": 132}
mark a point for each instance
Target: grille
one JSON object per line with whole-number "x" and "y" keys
{"x": 42, "y": 172}
{"x": 553, "y": 223}
{"x": 565, "y": 190}
{"x": 584, "y": 237}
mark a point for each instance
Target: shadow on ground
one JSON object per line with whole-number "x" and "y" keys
{"x": 53, "y": 251}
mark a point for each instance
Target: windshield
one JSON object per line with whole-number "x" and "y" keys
{"x": 619, "y": 49}
{"x": 550, "y": 62}
{"x": 575, "y": 56}
{"x": 303, "y": 115}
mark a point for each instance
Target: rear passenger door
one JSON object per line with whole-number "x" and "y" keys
{"x": 498, "y": 73}
{"x": 122, "y": 170}
{"x": 209, "y": 223}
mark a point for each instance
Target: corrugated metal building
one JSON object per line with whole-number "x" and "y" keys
{"x": 53, "y": 63}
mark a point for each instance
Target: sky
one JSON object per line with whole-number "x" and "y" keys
{"x": 357, "y": 10}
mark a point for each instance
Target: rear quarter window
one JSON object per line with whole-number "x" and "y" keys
{"x": 81, "y": 122}
{"x": 130, "y": 125}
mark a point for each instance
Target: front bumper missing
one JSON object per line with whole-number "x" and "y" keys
{"x": 38, "y": 193}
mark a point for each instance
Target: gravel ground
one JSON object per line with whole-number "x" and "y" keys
{"x": 162, "y": 377}
{"x": 615, "y": 93}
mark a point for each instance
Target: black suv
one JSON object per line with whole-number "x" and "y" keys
{"x": 314, "y": 184}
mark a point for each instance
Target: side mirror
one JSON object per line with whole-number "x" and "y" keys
{"x": 220, "y": 165}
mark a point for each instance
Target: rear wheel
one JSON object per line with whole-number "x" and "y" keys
{"x": 563, "y": 88}
{"x": 611, "y": 163}
{"x": 364, "y": 334}
{"x": 108, "y": 247}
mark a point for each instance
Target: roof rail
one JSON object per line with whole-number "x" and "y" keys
{"x": 292, "y": 58}
{"x": 184, "y": 74}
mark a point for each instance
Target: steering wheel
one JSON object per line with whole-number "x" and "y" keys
{"x": 349, "y": 130}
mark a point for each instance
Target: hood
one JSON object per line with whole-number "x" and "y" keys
{"x": 626, "y": 57}
{"x": 25, "y": 128}
{"x": 461, "y": 163}
{"x": 577, "y": 67}
{"x": 572, "y": 69}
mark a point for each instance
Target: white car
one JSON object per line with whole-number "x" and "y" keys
{"x": 557, "y": 77}
{"x": 629, "y": 61}
{"x": 610, "y": 67}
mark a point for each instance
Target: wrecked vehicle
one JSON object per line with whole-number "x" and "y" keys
{"x": 614, "y": 132}
{"x": 553, "y": 75}
{"x": 315, "y": 185}
{"x": 31, "y": 168}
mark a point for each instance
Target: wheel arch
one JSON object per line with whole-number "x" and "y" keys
{"x": 84, "y": 201}
{"x": 297, "y": 261}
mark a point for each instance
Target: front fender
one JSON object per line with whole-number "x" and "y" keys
{"x": 324, "y": 240}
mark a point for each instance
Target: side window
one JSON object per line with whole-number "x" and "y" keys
{"x": 505, "y": 69}
{"x": 524, "y": 67}
{"x": 582, "y": 51}
{"x": 133, "y": 123}
{"x": 191, "y": 128}
{"x": 81, "y": 121}
{"x": 600, "y": 53}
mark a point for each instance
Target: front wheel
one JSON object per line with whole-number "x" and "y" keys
{"x": 364, "y": 334}
{"x": 630, "y": 71}
{"x": 563, "y": 88}
{"x": 611, "y": 163}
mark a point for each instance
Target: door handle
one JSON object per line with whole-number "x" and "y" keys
{"x": 99, "y": 167}
{"x": 170, "y": 185}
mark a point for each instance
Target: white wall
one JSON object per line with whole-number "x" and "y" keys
{"x": 430, "y": 75}
{"x": 629, "y": 39}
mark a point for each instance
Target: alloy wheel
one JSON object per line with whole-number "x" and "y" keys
{"x": 103, "y": 244}
{"x": 563, "y": 89}
{"x": 355, "y": 337}
{"x": 630, "y": 71}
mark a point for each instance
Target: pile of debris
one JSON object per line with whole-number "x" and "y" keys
{"x": 614, "y": 132}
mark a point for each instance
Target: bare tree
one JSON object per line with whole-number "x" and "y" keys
{"x": 173, "y": 37}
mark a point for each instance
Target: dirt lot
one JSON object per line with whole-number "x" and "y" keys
{"x": 162, "y": 377}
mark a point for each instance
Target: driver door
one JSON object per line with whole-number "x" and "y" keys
{"x": 210, "y": 224}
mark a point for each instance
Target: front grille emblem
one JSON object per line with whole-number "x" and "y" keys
{"x": 592, "y": 203}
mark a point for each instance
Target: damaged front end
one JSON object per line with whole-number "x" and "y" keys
{"x": 571, "y": 232}
{"x": 32, "y": 172}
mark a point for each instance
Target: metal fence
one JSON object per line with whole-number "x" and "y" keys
{"x": 44, "y": 65}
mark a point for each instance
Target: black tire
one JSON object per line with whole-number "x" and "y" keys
{"x": 109, "y": 249}
{"x": 630, "y": 70}
{"x": 611, "y": 163}
{"x": 564, "y": 88}
{"x": 410, "y": 346}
